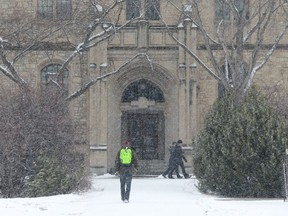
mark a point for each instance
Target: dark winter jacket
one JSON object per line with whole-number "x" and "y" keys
{"x": 171, "y": 150}
{"x": 177, "y": 155}
{"x": 122, "y": 169}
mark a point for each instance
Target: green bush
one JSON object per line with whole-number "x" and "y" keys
{"x": 51, "y": 178}
{"x": 240, "y": 150}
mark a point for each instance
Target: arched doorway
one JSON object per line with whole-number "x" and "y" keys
{"x": 143, "y": 122}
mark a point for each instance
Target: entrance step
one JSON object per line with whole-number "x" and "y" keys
{"x": 151, "y": 167}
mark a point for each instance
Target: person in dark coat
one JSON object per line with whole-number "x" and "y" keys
{"x": 171, "y": 163}
{"x": 126, "y": 164}
{"x": 177, "y": 160}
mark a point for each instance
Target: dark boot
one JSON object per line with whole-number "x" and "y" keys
{"x": 170, "y": 175}
{"x": 171, "y": 172}
{"x": 186, "y": 175}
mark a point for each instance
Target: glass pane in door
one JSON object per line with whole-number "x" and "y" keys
{"x": 143, "y": 134}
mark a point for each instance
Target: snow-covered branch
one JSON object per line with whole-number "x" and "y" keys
{"x": 9, "y": 70}
{"x": 189, "y": 51}
{"x": 246, "y": 20}
{"x": 93, "y": 38}
{"x": 85, "y": 87}
{"x": 194, "y": 5}
{"x": 266, "y": 58}
{"x": 7, "y": 73}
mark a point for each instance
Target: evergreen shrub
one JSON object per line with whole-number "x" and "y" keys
{"x": 52, "y": 178}
{"x": 240, "y": 150}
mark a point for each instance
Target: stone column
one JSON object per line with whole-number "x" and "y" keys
{"x": 188, "y": 60}
{"x": 187, "y": 83}
{"x": 193, "y": 102}
{"x": 142, "y": 33}
{"x": 182, "y": 102}
{"x": 103, "y": 124}
{"x": 99, "y": 115}
{"x": 92, "y": 113}
{"x": 181, "y": 87}
{"x": 194, "y": 85}
{"x": 190, "y": 83}
{"x": 96, "y": 60}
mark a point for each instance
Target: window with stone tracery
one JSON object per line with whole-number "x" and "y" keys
{"x": 150, "y": 9}
{"x": 142, "y": 88}
{"x": 54, "y": 9}
{"x": 223, "y": 10}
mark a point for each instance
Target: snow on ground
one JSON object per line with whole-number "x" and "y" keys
{"x": 149, "y": 197}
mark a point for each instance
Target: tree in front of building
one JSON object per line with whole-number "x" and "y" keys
{"x": 240, "y": 150}
{"x": 38, "y": 155}
{"x": 238, "y": 38}
{"x": 63, "y": 27}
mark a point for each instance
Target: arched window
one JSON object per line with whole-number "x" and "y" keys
{"x": 49, "y": 74}
{"x": 142, "y": 88}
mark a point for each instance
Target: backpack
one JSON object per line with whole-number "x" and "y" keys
{"x": 125, "y": 156}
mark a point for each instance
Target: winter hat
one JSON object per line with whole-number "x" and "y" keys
{"x": 126, "y": 143}
{"x": 179, "y": 141}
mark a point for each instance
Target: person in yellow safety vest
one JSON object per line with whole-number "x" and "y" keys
{"x": 126, "y": 164}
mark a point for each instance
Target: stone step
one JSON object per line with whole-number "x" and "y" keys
{"x": 156, "y": 167}
{"x": 151, "y": 167}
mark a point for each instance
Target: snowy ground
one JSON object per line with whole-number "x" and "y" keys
{"x": 149, "y": 197}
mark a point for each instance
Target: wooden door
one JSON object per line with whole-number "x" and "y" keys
{"x": 143, "y": 134}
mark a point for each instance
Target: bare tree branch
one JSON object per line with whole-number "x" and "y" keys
{"x": 85, "y": 87}
{"x": 10, "y": 71}
{"x": 89, "y": 39}
{"x": 266, "y": 58}
{"x": 190, "y": 52}
{"x": 232, "y": 35}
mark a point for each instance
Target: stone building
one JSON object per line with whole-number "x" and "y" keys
{"x": 152, "y": 101}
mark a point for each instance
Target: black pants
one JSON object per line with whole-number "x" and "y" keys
{"x": 170, "y": 171}
{"x": 125, "y": 183}
{"x": 175, "y": 168}
{"x": 181, "y": 164}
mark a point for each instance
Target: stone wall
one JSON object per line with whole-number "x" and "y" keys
{"x": 189, "y": 89}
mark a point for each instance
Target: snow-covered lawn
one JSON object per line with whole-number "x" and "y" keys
{"x": 149, "y": 197}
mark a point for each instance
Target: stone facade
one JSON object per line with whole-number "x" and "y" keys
{"x": 104, "y": 118}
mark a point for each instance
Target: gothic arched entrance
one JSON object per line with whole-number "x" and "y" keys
{"x": 143, "y": 119}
